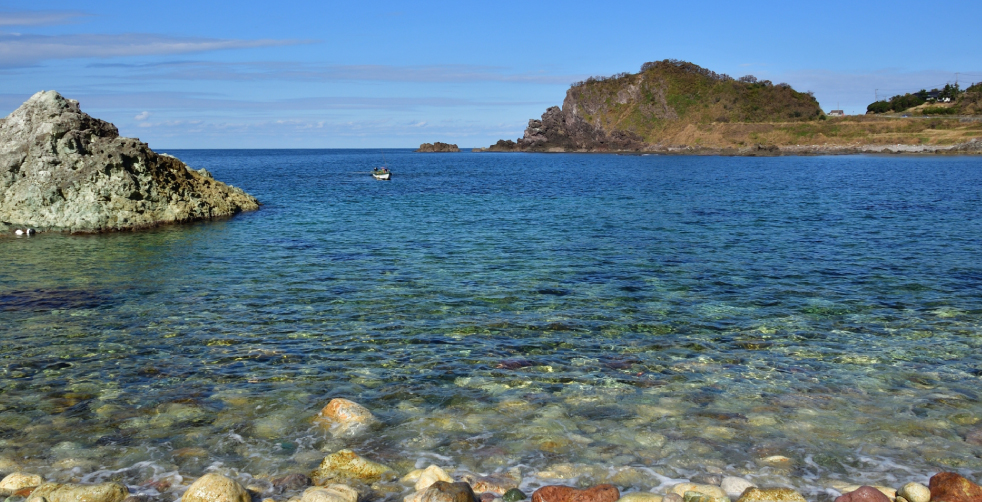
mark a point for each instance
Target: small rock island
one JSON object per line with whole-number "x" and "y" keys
{"x": 62, "y": 170}
{"x": 438, "y": 148}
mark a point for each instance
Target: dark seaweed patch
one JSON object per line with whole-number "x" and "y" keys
{"x": 40, "y": 300}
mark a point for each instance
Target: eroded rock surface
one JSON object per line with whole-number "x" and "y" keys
{"x": 62, "y": 170}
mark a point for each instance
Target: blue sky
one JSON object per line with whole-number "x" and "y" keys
{"x": 305, "y": 74}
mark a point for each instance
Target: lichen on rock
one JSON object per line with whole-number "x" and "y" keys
{"x": 62, "y": 170}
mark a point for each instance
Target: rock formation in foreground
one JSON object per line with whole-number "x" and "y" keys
{"x": 62, "y": 170}
{"x": 437, "y": 148}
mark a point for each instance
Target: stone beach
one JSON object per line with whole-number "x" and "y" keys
{"x": 346, "y": 476}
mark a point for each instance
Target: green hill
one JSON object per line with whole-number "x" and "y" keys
{"x": 659, "y": 105}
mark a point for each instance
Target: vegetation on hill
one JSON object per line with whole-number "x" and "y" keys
{"x": 674, "y": 105}
{"x": 951, "y": 100}
{"x": 667, "y": 95}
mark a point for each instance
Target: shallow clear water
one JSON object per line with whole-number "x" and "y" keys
{"x": 629, "y": 319}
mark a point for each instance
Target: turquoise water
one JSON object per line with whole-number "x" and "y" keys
{"x": 633, "y": 319}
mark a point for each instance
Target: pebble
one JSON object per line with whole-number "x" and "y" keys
{"x": 345, "y": 418}
{"x": 497, "y": 483}
{"x": 915, "y": 492}
{"x": 951, "y": 487}
{"x": 891, "y": 493}
{"x": 58, "y": 492}
{"x": 755, "y": 494}
{"x": 17, "y": 480}
{"x": 640, "y": 497}
{"x": 699, "y": 497}
{"x": 707, "y": 479}
{"x": 216, "y": 488}
{"x": 291, "y": 482}
{"x": 330, "y": 493}
{"x": 863, "y": 494}
{"x": 733, "y": 486}
{"x": 974, "y": 437}
{"x": 556, "y": 493}
{"x": 708, "y": 490}
{"x": 442, "y": 491}
{"x": 514, "y": 495}
{"x": 347, "y": 465}
{"x": 431, "y": 475}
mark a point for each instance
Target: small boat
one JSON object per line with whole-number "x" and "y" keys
{"x": 381, "y": 173}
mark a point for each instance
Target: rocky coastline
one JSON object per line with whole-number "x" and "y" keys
{"x": 347, "y": 476}
{"x": 63, "y": 170}
{"x": 678, "y": 108}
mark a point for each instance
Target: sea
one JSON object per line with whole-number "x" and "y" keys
{"x": 808, "y": 322}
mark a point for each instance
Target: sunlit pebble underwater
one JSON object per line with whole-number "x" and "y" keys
{"x": 546, "y": 328}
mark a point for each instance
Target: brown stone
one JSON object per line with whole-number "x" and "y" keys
{"x": 863, "y": 494}
{"x": 557, "y": 493}
{"x": 216, "y": 488}
{"x": 442, "y": 491}
{"x": 345, "y": 417}
{"x": 950, "y": 487}
{"x": 754, "y": 494}
{"x": 68, "y": 492}
{"x": 291, "y": 482}
{"x": 487, "y": 497}
{"x": 974, "y": 437}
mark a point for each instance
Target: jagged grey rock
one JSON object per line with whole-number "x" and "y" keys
{"x": 62, "y": 170}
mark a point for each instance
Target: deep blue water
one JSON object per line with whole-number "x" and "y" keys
{"x": 667, "y": 314}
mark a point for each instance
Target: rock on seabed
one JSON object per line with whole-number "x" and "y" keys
{"x": 216, "y": 488}
{"x": 58, "y": 492}
{"x": 62, "y": 170}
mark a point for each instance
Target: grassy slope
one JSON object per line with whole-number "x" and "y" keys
{"x": 676, "y": 103}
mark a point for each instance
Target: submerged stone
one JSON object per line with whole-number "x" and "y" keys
{"x": 734, "y": 486}
{"x": 348, "y": 465}
{"x": 514, "y": 495}
{"x": 330, "y": 493}
{"x": 216, "y": 488}
{"x": 345, "y": 418}
{"x": 69, "y": 492}
{"x": 17, "y": 480}
{"x": 709, "y": 490}
{"x": 640, "y": 497}
{"x": 755, "y": 494}
{"x": 442, "y": 491}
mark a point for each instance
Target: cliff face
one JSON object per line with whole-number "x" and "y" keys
{"x": 657, "y": 107}
{"x": 62, "y": 170}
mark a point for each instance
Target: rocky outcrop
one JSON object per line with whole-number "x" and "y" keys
{"x": 438, "y": 148}
{"x": 62, "y": 170}
{"x": 651, "y": 109}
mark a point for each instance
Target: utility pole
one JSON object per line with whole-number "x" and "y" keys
{"x": 876, "y": 96}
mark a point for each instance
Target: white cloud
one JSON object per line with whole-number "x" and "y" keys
{"x": 38, "y": 18}
{"x": 421, "y": 123}
{"x": 142, "y": 116}
{"x": 25, "y": 49}
{"x": 265, "y": 70}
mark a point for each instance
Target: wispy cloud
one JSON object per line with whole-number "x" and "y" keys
{"x": 38, "y": 18}
{"x": 856, "y": 90}
{"x": 25, "y": 49}
{"x": 263, "y": 70}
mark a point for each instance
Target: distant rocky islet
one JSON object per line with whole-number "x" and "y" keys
{"x": 438, "y": 147}
{"x": 62, "y": 170}
{"x": 346, "y": 476}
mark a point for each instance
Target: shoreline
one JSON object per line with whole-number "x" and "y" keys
{"x": 968, "y": 148}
